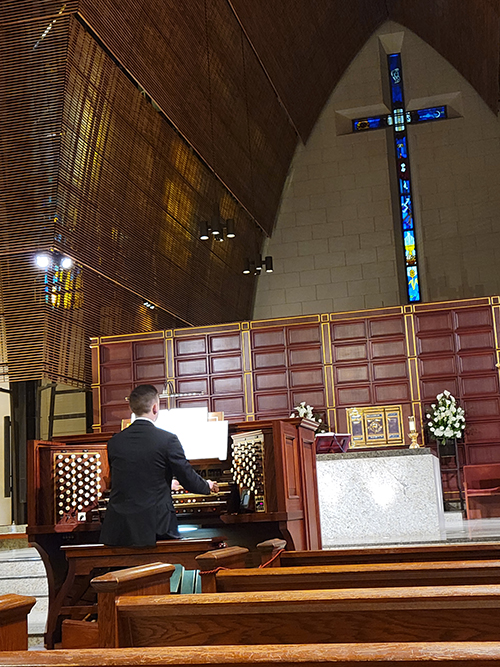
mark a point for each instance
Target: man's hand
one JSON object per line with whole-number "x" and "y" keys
{"x": 214, "y": 487}
{"x": 175, "y": 485}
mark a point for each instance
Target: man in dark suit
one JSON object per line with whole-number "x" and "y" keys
{"x": 143, "y": 460}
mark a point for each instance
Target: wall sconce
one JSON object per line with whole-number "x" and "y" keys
{"x": 256, "y": 268}
{"x": 217, "y": 228}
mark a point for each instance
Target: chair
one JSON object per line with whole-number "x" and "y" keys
{"x": 482, "y": 490}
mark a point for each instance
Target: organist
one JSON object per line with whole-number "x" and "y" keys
{"x": 143, "y": 460}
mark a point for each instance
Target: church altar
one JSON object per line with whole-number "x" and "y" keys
{"x": 377, "y": 497}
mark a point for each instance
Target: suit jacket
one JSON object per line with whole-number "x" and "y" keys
{"x": 143, "y": 459}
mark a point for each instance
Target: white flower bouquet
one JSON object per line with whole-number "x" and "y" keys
{"x": 446, "y": 419}
{"x": 305, "y": 411}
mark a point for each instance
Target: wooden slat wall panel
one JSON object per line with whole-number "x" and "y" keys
{"x": 91, "y": 169}
{"x": 134, "y": 193}
{"x": 201, "y": 54}
{"x": 308, "y": 48}
{"x": 465, "y": 33}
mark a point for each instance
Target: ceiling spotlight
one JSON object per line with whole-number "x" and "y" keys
{"x": 148, "y": 305}
{"x": 204, "y": 235}
{"x": 230, "y": 229}
{"x": 66, "y": 263}
{"x": 42, "y": 260}
{"x": 257, "y": 267}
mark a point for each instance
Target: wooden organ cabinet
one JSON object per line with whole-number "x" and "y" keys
{"x": 275, "y": 493}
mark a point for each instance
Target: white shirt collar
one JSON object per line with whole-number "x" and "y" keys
{"x": 146, "y": 419}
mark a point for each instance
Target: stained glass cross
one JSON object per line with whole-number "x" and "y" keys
{"x": 398, "y": 120}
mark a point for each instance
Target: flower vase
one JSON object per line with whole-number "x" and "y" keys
{"x": 447, "y": 447}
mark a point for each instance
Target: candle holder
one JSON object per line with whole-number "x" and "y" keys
{"x": 413, "y": 435}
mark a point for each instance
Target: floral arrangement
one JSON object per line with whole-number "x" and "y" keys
{"x": 305, "y": 411}
{"x": 446, "y": 419}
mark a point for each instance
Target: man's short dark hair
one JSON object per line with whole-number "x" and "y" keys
{"x": 141, "y": 399}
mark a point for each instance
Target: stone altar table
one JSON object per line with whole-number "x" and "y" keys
{"x": 377, "y": 497}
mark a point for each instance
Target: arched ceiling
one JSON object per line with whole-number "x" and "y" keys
{"x": 305, "y": 46}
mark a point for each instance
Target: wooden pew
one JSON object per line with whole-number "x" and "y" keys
{"x": 152, "y": 579}
{"x": 273, "y": 554}
{"x": 366, "y": 575}
{"x": 72, "y": 599}
{"x": 14, "y": 610}
{"x": 452, "y": 654}
{"x": 439, "y": 613}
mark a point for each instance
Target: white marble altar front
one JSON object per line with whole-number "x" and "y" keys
{"x": 377, "y": 497}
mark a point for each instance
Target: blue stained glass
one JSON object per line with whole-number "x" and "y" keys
{"x": 372, "y": 123}
{"x": 401, "y": 150}
{"x": 404, "y": 186}
{"x": 396, "y": 79}
{"x": 432, "y": 113}
{"x": 406, "y": 212}
{"x": 411, "y": 257}
{"x": 412, "y": 281}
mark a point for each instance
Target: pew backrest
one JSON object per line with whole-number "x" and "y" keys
{"x": 462, "y": 613}
{"x": 273, "y": 553}
{"x": 14, "y": 610}
{"x": 440, "y": 654}
{"x": 371, "y": 575}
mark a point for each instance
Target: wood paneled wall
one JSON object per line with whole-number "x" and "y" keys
{"x": 259, "y": 370}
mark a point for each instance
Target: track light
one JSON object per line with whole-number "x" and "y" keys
{"x": 42, "y": 260}
{"x": 46, "y": 259}
{"x": 204, "y": 235}
{"x": 217, "y": 229}
{"x": 257, "y": 267}
{"x": 230, "y": 229}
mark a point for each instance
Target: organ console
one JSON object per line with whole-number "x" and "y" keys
{"x": 267, "y": 488}
{"x": 269, "y": 476}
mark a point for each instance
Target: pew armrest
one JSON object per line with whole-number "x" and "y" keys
{"x": 269, "y": 549}
{"x": 140, "y": 580}
{"x": 14, "y": 610}
{"x": 208, "y": 563}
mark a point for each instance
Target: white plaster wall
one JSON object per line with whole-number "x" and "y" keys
{"x": 334, "y": 247}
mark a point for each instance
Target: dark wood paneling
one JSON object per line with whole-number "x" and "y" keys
{"x": 351, "y": 373}
{"x": 440, "y": 366}
{"x": 389, "y": 370}
{"x": 369, "y": 366}
{"x": 184, "y": 346}
{"x": 354, "y": 396}
{"x": 348, "y": 331}
{"x": 306, "y": 378}
{"x": 226, "y": 364}
{"x": 269, "y": 359}
{"x": 149, "y": 349}
{"x": 116, "y": 352}
{"x": 386, "y": 327}
{"x": 268, "y": 338}
{"x": 186, "y": 367}
{"x": 391, "y": 393}
{"x": 274, "y": 380}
